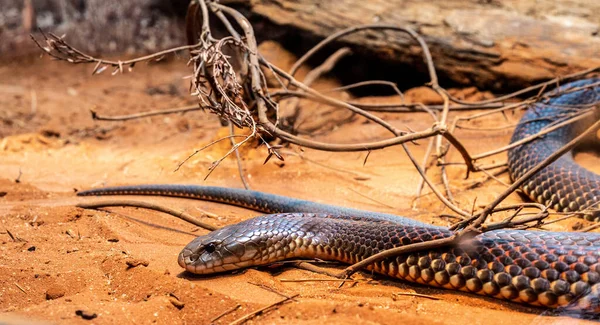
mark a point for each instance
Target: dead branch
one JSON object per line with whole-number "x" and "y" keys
{"x": 580, "y": 116}
{"x": 416, "y": 107}
{"x": 316, "y": 73}
{"x": 590, "y": 228}
{"x": 151, "y": 206}
{"x": 183, "y": 109}
{"x": 257, "y": 312}
{"x": 425, "y": 166}
{"x": 412, "y": 248}
{"x": 57, "y": 48}
{"x": 470, "y": 230}
{"x": 238, "y": 157}
{"x": 413, "y": 294}
{"x": 227, "y": 312}
{"x": 539, "y": 86}
{"x": 215, "y": 163}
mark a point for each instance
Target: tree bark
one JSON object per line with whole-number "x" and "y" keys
{"x": 491, "y": 44}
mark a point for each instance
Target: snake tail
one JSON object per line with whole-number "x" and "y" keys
{"x": 254, "y": 200}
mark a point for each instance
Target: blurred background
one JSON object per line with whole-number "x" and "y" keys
{"x": 133, "y": 26}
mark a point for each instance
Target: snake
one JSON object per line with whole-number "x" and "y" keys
{"x": 563, "y": 185}
{"x": 537, "y": 268}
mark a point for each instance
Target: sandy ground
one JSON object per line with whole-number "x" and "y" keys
{"x": 58, "y": 262}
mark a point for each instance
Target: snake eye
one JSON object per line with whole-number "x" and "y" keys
{"x": 209, "y": 248}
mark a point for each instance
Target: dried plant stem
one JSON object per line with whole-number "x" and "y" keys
{"x": 253, "y": 314}
{"x": 584, "y": 115}
{"x": 425, "y": 166}
{"x": 529, "y": 89}
{"x": 225, "y": 313}
{"x": 183, "y": 109}
{"x": 151, "y": 206}
{"x": 238, "y": 157}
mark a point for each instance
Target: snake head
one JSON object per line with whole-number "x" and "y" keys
{"x": 254, "y": 242}
{"x": 222, "y": 250}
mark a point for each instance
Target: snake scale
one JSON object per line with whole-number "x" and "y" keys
{"x": 549, "y": 269}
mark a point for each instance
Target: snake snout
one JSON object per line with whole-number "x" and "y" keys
{"x": 198, "y": 256}
{"x": 183, "y": 259}
{"x": 189, "y": 259}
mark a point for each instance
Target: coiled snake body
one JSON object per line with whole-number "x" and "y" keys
{"x": 563, "y": 185}
{"x": 550, "y": 269}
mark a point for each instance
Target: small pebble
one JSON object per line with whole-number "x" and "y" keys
{"x": 133, "y": 262}
{"x": 55, "y": 292}
{"x": 86, "y": 314}
{"x": 176, "y": 302}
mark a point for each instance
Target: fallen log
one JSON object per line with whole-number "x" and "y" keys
{"x": 494, "y": 45}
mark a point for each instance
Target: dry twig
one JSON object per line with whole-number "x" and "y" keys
{"x": 146, "y": 205}
{"x": 255, "y": 313}
{"x": 227, "y": 312}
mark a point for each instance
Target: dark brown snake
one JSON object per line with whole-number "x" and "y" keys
{"x": 550, "y": 269}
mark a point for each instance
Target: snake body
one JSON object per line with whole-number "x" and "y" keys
{"x": 551, "y": 269}
{"x": 563, "y": 185}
